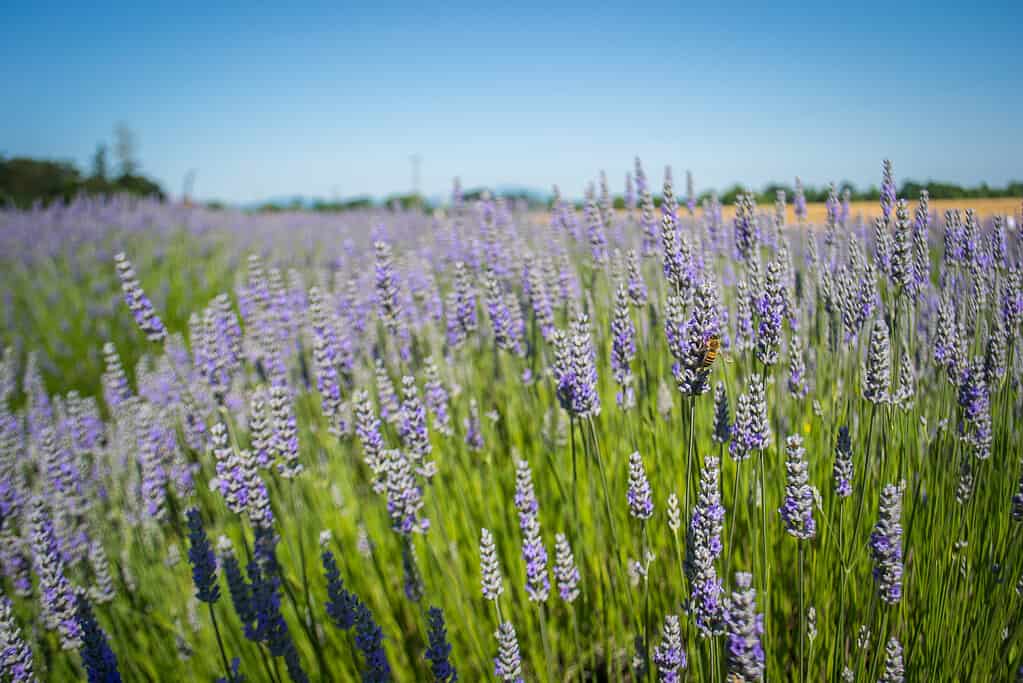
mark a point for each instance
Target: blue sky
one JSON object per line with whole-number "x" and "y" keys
{"x": 329, "y": 99}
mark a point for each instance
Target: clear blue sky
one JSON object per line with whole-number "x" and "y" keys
{"x": 270, "y": 101}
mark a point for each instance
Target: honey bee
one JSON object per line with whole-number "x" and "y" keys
{"x": 710, "y": 351}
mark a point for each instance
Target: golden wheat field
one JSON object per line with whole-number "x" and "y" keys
{"x": 817, "y": 212}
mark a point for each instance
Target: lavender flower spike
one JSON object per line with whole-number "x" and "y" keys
{"x": 703, "y": 547}
{"x": 641, "y": 503}
{"x": 843, "y": 472}
{"x": 57, "y": 595}
{"x": 877, "y": 370}
{"x": 141, "y": 307}
{"x": 97, "y": 657}
{"x": 565, "y": 570}
{"x": 722, "y": 425}
{"x": 745, "y": 653}
{"x": 15, "y": 655}
{"x": 623, "y": 348}
{"x": 534, "y": 553}
{"x": 490, "y": 567}
{"x": 669, "y": 657}
{"x": 751, "y": 431}
{"x": 439, "y": 651}
{"x": 797, "y": 509}
{"x": 886, "y": 545}
{"x": 202, "y": 559}
{"x": 894, "y": 671}
{"x": 508, "y": 663}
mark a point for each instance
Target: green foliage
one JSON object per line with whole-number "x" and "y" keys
{"x": 25, "y": 182}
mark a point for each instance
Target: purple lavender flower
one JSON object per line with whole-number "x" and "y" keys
{"x": 769, "y": 306}
{"x": 97, "y": 658}
{"x": 744, "y": 651}
{"x": 799, "y": 201}
{"x": 641, "y": 502}
{"x": 722, "y": 425}
{"x": 369, "y": 640}
{"x": 669, "y": 657}
{"x": 141, "y": 307}
{"x": 56, "y": 593}
{"x": 538, "y": 583}
{"x": 703, "y": 547}
{"x": 412, "y": 428}
{"x": 894, "y": 671}
{"x": 285, "y": 439}
{"x": 439, "y": 652}
{"x": 465, "y": 302}
{"x": 202, "y": 559}
{"x": 887, "y": 189}
{"x": 843, "y": 471}
{"x": 566, "y": 573}
{"x": 436, "y": 396}
{"x": 490, "y": 568}
{"x": 238, "y": 587}
{"x": 975, "y": 402}
{"x": 747, "y": 233}
{"x": 340, "y": 603}
{"x": 751, "y": 431}
{"x": 877, "y": 369}
{"x": 538, "y": 292}
{"x": 647, "y": 222}
{"x": 635, "y": 283}
{"x": 595, "y": 228}
{"x": 473, "y": 427}
{"x": 623, "y": 348}
{"x": 575, "y": 370}
{"x": 387, "y": 296}
{"x": 326, "y": 356}
{"x": 505, "y": 337}
{"x": 115, "y": 383}
{"x": 367, "y": 429}
{"x": 508, "y": 663}
{"x": 404, "y": 496}
{"x": 797, "y": 509}
{"x": 886, "y": 545}
{"x": 797, "y": 369}
{"x": 387, "y": 397}
{"x": 15, "y": 655}
{"x": 688, "y": 339}
{"x": 921, "y": 246}
{"x": 690, "y": 193}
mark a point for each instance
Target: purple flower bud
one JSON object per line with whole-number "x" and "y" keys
{"x": 894, "y": 671}
{"x": 565, "y": 570}
{"x": 703, "y": 547}
{"x": 744, "y": 652}
{"x": 508, "y": 663}
{"x": 623, "y": 348}
{"x": 797, "y": 509}
{"x": 886, "y": 545}
{"x": 751, "y": 431}
{"x": 15, "y": 654}
{"x": 669, "y": 657}
{"x": 843, "y": 471}
{"x": 141, "y": 307}
{"x": 439, "y": 652}
{"x": 202, "y": 559}
{"x": 641, "y": 503}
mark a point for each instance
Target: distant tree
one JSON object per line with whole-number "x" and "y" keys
{"x": 99, "y": 162}
{"x": 25, "y": 181}
{"x": 125, "y": 149}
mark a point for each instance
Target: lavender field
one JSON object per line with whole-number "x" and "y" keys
{"x": 490, "y": 443}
